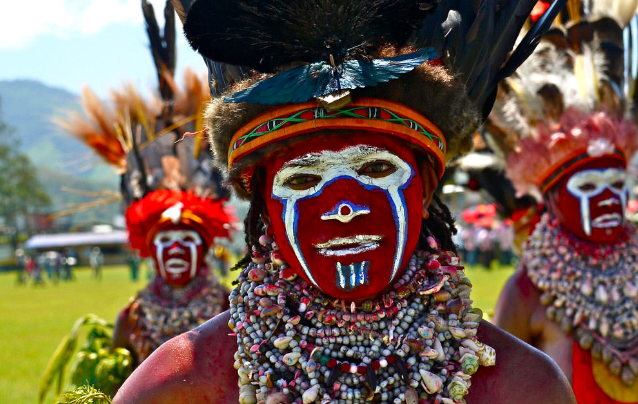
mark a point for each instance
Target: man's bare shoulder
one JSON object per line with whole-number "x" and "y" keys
{"x": 522, "y": 375}
{"x": 195, "y": 367}
{"x": 516, "y": 304}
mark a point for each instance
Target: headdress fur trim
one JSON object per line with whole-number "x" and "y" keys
{"x": 429, "y": 89}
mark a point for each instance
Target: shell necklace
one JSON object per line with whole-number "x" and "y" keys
{"x": 297, "y": 345}
{"x": 591, "y": 290}
{"x": 161, "y": 311}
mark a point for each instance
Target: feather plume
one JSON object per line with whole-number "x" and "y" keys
{"x": 622, "y": 11}
{"x": 106, "y": 129}
{"x": 265, "y": 35}
{"x": 193, "y": 96}
{"x": 477, "y": 37}
{"x": 318, "y": 79}
{"x": 546, "y": 78}
{"x": 548, "y": 146}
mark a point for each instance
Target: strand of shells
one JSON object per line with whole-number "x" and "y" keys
{"x": 161, "y": 311}
{"x": 417, "y": 344}
{"x": 591, "y": 290}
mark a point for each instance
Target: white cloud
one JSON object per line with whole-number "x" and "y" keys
{"x": 23, "y": 21}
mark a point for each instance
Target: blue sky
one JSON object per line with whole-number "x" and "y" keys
{"x": 70, "y": 43}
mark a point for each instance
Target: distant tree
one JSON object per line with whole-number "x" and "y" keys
{"x": 21, "y": 193}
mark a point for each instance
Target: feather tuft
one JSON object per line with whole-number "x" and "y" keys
{"x": 265, "y": 35}
{"x": 578, "y": 132}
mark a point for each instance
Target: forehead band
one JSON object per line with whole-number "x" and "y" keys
{"x": 366, "y": 114}
{"x": 187, "y": 218}
{"x": 571, "y": 164}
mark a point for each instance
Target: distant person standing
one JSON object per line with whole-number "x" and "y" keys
{"x": 20, "y": 261}
{"x": 38, "y": 269}
{"x": 69, "y": 263}
{"x": 97, "y": 260}
{"x": 53, "y": 262}
{"x": 485, "y": 242}
{"x": 460, "y": 242}
{"x": 133, "y": 260}
{"x": 506, "y": 242}
{"x": 468, "y": 234}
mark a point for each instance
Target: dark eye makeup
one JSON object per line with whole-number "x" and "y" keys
{"x": 377, "y": 169}
{"x": 301, "y": 182}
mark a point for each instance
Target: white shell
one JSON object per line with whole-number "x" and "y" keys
{"x": 430, "y": 382}
{"x": 310, "y": 395}
{"x": 457, "y": 332}
{"x": 291, "y": 358}
{"x": 282, "y": 342}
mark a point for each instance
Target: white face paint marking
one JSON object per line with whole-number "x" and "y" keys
{"x": 352, "y": 276}
{"x": 339, "y": 246}
{"x": 331, "y": 165}
{"x": 609, "y": 202}
{"x": 175, "y": 266}
{"x": 345, "y": 212}
{"x": 598, "y": 181}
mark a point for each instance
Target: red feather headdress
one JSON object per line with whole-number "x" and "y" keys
{"x": 163, "y": 208}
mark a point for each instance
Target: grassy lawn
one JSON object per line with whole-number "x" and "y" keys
{"x": 487, "y": 285}
{"x": 34, "y": 319}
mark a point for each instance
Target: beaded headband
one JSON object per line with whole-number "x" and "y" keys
{"x": 570, "y": 164}
{"x": 369, "y": 114}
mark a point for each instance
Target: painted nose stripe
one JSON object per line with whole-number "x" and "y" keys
{"x": 345, "y": 212}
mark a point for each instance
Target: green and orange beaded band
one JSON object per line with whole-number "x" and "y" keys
{"x": 368, "y": 114}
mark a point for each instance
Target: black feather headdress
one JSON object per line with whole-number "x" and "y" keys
{"x": 474, "y": 37}
{"x": 266, "y": 35}
{"x": 272, "y": 52}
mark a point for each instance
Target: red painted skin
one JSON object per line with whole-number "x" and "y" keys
{"x": 197, "y": 367}
{"x": 566, "y": 207}
{"x": 519, "y": 310}
{"x": 378, "y": 222}
{"x": 182, "y": 279}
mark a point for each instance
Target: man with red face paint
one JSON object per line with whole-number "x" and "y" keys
{"x": 351, "y": 291}
{"x": 575, "y": 295}
{"x": 176, "y": 229}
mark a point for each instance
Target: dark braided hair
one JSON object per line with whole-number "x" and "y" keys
{"x": 440, "y": 225}
{"x": 253, "y": 223}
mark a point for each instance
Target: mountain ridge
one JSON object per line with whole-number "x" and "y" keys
{"x": 28, "y": 108}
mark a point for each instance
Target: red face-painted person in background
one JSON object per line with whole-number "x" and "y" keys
{"x": 176, "y": 230}
{"x": 576, "y": 294}
{"x": 591, "y": 202}
{"x": 351, "y": 291}
{"x": 178, "y": 254}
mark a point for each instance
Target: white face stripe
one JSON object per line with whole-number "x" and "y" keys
{"x": 332, "y": 165}
{"x": 602, "y": 180}
{"x": 164, "y": 239}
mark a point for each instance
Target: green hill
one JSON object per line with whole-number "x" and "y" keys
{"x": 28, "y": 107}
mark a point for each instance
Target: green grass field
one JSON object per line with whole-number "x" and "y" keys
{"x": 34, "y": 319}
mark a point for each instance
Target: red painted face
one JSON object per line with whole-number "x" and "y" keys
{"x": 590, "y": 203}
{"x": 346, "y": 211}
{"x": 178, "y": 252}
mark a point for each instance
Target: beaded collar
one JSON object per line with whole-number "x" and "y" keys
{"x": 591, "y": 290}
{"x": 161, "y": 311}
{"x": 297, "y": 345}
